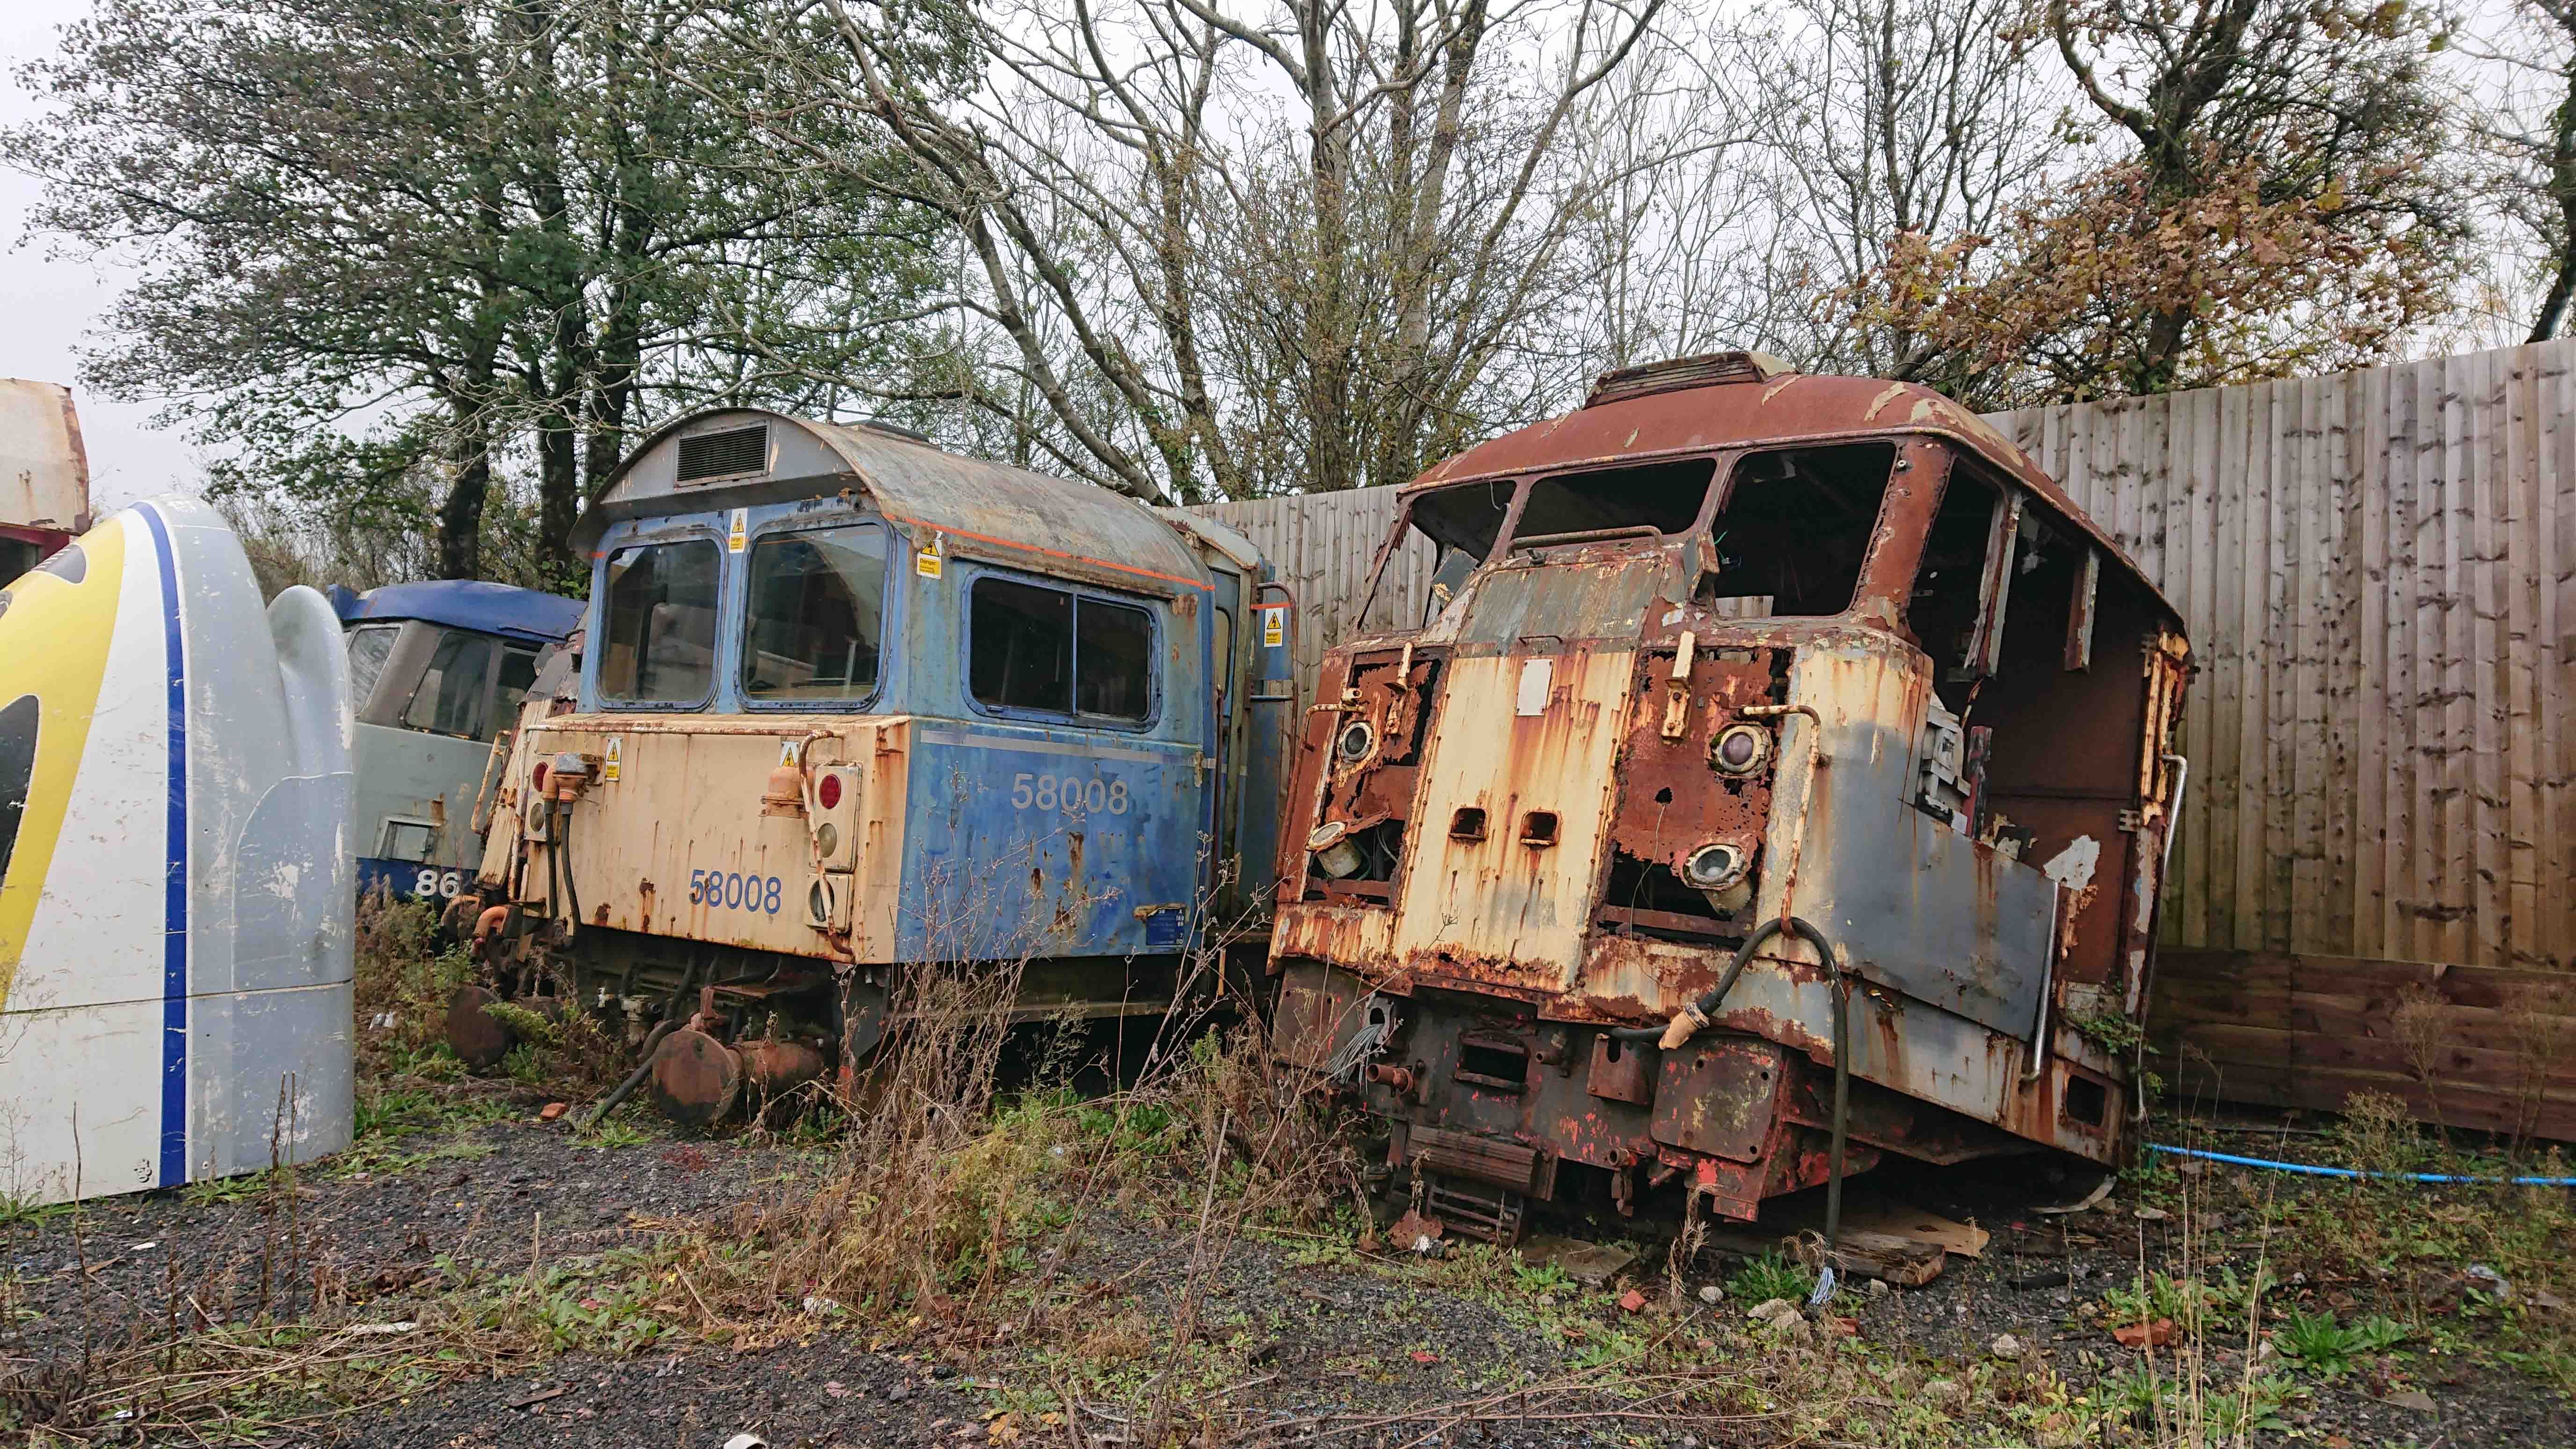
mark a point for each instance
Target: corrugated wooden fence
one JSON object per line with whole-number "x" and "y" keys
{"x": 1320, "y": 545}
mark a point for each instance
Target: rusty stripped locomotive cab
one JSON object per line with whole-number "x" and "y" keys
{"x": 1735, "y": 686}
{"x": 844, "y": 704}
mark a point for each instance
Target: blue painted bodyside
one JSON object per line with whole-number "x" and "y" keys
{"x": 411, "y": 880}
{"x": 1000, "y": 867}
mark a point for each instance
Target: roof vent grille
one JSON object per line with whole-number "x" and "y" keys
{"x": 721, "y": 455}
{"x": 1708, "y": 369}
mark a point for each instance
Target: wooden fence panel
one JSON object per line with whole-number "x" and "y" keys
{"x": 2472, "y": 1046}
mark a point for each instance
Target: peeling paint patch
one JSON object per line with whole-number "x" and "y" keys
{"x": 2073, "y": 867}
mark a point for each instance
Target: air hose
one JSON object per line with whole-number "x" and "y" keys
{"x": 2312, "y": 1170}
{"x": 1691, "y": 1018}
{"x": 563, "y": 852}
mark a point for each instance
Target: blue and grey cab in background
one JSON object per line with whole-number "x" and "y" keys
{"x": 436, "y": 672}
{"x": 849, "y": 705}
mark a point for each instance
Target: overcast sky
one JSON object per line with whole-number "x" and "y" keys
{"x": 51, "y": 305}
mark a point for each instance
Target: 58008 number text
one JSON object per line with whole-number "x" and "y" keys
{"x": 1069, "y": 793}
{"x": 734, "y": 891}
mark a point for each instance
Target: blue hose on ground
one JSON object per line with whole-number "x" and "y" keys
{"x": 2313, "y": 1171}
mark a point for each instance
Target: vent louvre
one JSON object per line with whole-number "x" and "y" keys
{"x": 1708, "y": 369}
{"x": 720, "y": 455}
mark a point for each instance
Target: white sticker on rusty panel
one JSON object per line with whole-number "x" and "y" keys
{"x": 787, "y": 752}
{"x": 1274, "y": 625}
{"x": 609, "y": 763}
{"x": 738, "y": 530}
{"x": 2073, "y": 867}
{"x": 1536, "y": 674}
{"x": 926, "y": 561}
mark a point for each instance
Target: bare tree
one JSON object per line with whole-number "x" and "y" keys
{"x": 2526, "y": 123}
{"x": 1204, "y": 251}
{"x": 1899, "y": 117}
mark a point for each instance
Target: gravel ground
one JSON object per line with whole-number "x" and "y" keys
{"x": 1318, "y": 1335}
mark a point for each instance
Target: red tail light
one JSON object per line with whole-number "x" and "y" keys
{"x": 543, "y": 769}
{"x": 828, "y": 791}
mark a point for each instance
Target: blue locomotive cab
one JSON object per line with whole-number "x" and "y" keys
{"x": 850, "y": 704}
{"x": 436, "y": 672}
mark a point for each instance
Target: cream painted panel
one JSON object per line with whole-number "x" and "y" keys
{"x": 1506, "y": 909}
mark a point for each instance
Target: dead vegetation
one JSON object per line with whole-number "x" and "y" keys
{"x": 1128, "y": 1237}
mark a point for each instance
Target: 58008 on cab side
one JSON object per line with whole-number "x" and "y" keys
{"x": 848, "y": 704}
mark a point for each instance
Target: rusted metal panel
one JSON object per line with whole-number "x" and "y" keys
{"x": 44, "y": 468}
{"x": 1514, "y": 905}
{"x": 1720, "y": 1097}
{"x": 660, "y": 849}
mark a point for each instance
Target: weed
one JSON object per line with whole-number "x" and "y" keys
{"x": 2224, "y": 1411}
{"x": 1770, "y": 1276}
{"x": 26, "y": 1212}
{"x": 215, "y": 1191}
{"x": 618, "y": 1130}
{"x": 2326, "y": 1348}
{"x": 1545, "y": 1278}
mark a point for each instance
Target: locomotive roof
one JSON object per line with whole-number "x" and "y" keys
{"x": 1079, "y": 529}
{"x": 487, "y": 608}
{"x": 1734, "y": 399}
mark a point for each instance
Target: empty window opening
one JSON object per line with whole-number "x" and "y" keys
{"x": 2085, "y": 1100}
{"x": 1664, "y": 796}
{"x": 1444, "y": 535}
{"x": 815, "y": 614}
{"x": 1538, "y": 828}
{"x": 660, "y": 644}
{"x": 1657, "y": 499}
{"x": 1038, "y": 648}
{"x": 1949, "y": 585}
{"x": 1795, "y": 528}
{"x": 1467, "y": 824}
{"x": 1494, "y": 1064}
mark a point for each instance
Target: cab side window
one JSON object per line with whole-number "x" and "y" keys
{"x": 660, "y": 623}
{"x": 454, "y": 690}
{"x": 370, "y": 645}
{"x": 1049, "y": 650}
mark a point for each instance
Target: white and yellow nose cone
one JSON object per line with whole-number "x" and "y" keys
{"x": 175, "y": 903}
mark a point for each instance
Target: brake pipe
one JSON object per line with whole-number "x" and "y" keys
{"x": 2312, "y": 1170}
{"x": 1696, "y": 1014}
